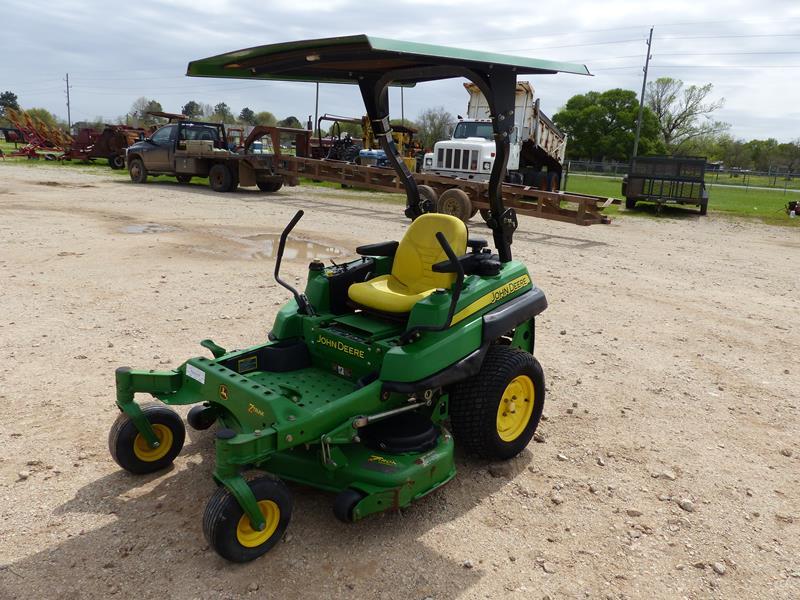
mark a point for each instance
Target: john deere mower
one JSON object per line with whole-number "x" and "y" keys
{"x": 372, "y": 373}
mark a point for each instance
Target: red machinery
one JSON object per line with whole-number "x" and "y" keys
{"x": 40, "y": 137}
{"x": 109, "y": 144}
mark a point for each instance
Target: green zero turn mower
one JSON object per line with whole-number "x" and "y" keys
{"x": 363, "y": 370}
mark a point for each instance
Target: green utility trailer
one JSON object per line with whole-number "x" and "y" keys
{"x": 365, "y": 373}
{"x": 666, "y": 180}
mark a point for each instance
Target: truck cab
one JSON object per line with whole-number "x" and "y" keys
{"x": 158, "y": 152}
{"x": 536, "y": 152}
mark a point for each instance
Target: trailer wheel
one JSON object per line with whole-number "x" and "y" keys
{"x": 486, "y": 214}
{"x": 183, "y": 178}
{"x": 221, "y": 178}
{"x": 228, "y": 529}
{"x": 130, "y": 450}
{"x": 137, "y": 171}
{"x": 269, "y": 186}
{"x": 455, "y": 202}
{"x": 427, "y": 198}
{"x": 116, "y": 162}
{"x": 495, "y": 412}
{"x": 630, "y": 203}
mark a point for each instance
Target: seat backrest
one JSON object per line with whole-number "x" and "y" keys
{"x": 420, "y": 250}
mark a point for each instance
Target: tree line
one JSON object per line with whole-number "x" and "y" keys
{"x": 676, "y": 119}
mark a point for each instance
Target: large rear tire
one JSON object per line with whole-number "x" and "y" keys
{"x": 221, "y": 178}
{"x": 494, "y": 414}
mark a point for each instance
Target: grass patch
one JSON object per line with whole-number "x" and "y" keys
{"x": 768, "y": 206}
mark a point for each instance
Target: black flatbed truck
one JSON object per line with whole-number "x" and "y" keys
{"x": 186, "y": 149}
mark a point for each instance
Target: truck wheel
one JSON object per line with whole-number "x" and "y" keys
{"x": 116, "y": 162}
{"x": 455, "y": 202}
{"x": 630, "y": 203}
{"x": 137, "y": 171}
{"x": 130, "y": 450}
{"x": 495, "y": 413}
{"x": 427, "y": 198}
{"x": 269, "y": 186}
{"x": 221, "y": 178}
{"x": 228, "y": 529}
{"x": 183, "y": 178}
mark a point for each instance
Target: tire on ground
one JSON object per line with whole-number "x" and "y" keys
{"x": 131, "y": 451}
{"x": 228, "y": 529}
{"x": 137, "y": 171}
{"x": 494, "y": 413}
{"x": 630, "y": 203}
{"x": 221, "y": 178}
{"x": 455, "y": 202}
{"x": 269, "y": 186}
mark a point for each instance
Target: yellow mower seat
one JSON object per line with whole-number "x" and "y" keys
{"x": 412, "y": 277}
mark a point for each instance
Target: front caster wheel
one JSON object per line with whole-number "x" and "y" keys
{"x": 495, "y": 413}
{"x": 228, "y": 530}
{"x": 131, "y": 451}
{"x": 201, "y": 417}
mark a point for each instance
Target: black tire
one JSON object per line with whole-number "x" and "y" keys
{"x": 221, "y": 178}
{"x": 137, "y": 170}
{"x": 427, "y": 198}
{"x": 455, "y": 202}
{"x": 227, "y": 528}
{"x": 116, "y": 162}
{"x": 269, "y": 186}
{"x": 475, "y": 404}
{"x": 630, "y": 203}
{"x": 485, "y": 214}
{"x": 131, "y": 452}
{"x": 345, "y": 502}
{"x": 201, "y": 417}
{"x": 183, "y": 178}
{"x": 703, "y": 209}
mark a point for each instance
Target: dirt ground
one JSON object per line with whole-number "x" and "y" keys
{"x": 667, "y": 466}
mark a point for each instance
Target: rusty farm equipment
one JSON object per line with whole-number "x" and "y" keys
{"x": 41, "y": 138}
{"x": 110, "y": 143}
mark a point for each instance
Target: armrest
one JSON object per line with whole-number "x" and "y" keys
{"x": 379, "y": 249}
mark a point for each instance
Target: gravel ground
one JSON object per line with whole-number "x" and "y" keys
{"x": 667, "y": 466}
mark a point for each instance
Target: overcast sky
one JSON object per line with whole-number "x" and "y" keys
{"x": 116, "y": 52}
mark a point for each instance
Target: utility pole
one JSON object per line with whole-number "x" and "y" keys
{"x": 69, "y": 115}
{"x": 641, "y": 98}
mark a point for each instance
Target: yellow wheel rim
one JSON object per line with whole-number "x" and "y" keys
{"x": 516, "y": 408}
{"x": 251, "y": 538}
{"x": 145, "y": 453}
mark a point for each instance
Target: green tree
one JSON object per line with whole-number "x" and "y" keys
{"x": 291, "y": 121}
{"x": 434, "y": 124}
{"x": 192, "y": 109}
{"x": 683, "y": 112}
{"x": 46, "y": 117}
{"x": 8, "y": 100}
{"x": 247, "y": 116}
{"x": 222, "y": 114}
{"x": 140, "y": 110}
{"x": 264, "y": 118}
{"x": 602, "y": 125}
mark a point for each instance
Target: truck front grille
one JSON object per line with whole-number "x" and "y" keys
{"x": 457, "y": 159}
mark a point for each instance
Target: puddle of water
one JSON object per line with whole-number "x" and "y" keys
{"x": 295, "y": 249}
{"x": 147, "y": 228}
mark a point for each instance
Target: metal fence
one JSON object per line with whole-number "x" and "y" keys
{"x": 777, "y": 178}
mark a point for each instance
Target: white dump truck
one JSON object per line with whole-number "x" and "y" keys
{"x": 537, "y": 145}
